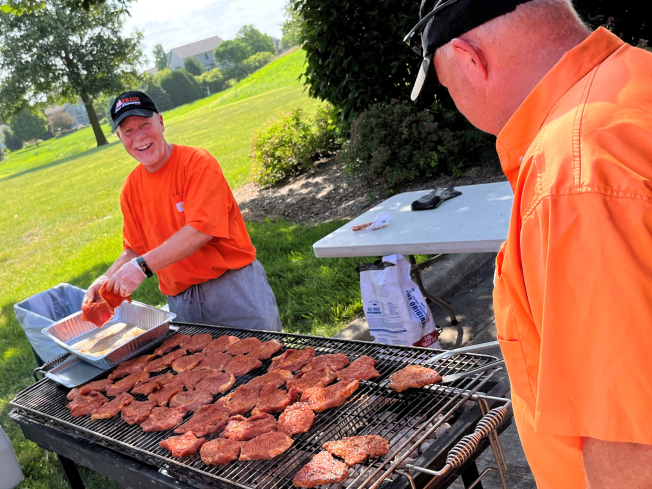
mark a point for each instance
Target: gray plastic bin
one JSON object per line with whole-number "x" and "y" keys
{"x": 42, "y": 310}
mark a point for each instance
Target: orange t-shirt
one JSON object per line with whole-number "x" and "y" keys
{"x": 190, "y": 190}
{"x": 573, "y": 293}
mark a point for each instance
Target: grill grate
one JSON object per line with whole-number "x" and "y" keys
{"x": 373, "y": 409}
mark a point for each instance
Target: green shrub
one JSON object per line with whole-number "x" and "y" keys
{"x": 159, "y": 96}
{"x": 180, "y": 85}
{"x": 11, "y": 142}
{"x": 193, "y": 66}
{"x": 213, "y": 80}
{"x": 256, "y": 62}
{"x": 28, "y": 125}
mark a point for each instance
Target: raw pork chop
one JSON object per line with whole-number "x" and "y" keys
{"x": 413, "y": 376}
{"x": 85, "y": 405}
{"x": 321, "y": 398}
{"x": 242, "y": 364}
{"x": 197, "y": 342}
{"x": 360, "y": 369}
{"x": 97, "y": 313}
{"x": 292, "y": 360}
{"x": 152, "y": 384}
{"x": 210, "y": 419}
{"x": 112, "y": 298}
{"x": 265, "y": 447}
{"x": 73, "y": 393}
{"x": 272, "y": 400}
{"x": 188, "y": 362}
{"x": 321, "y": 470}
{"x": 244, "y": 346}
{"x": 334, "y": 362}
{"x": 163, "y": 419}
{"x": 312, "y": 378}
{"x": 277, "y": 378}
{"x": 164, "y": 362}
{"x": 97, "y": 386}
{"x": 221, "y": 344}
{"x": 243, "y": 429}
{"x": 163, "y": 395}
{"x": 131, "y": 366}
{"x": 216, "y": 382}
{"x": 184, "y": 445}
{"x": 112, "y": 408}
{"x": 220, "y": 451}
{"x": 171, "y": 343}
{"x": 240, "y": 401}
{"x": 126, "y": 384}
{"x": 296, "y": 418}
{"x": 357, "y": 449}
{"x": 191, "y": 400}
{"x": 190, "y": 378}
{"x": 214, "y": 361}
{"x": 137, "y": 411}
{"x": 266, "y": 350}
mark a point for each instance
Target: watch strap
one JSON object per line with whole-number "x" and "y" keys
{"x": 140, "y": 261}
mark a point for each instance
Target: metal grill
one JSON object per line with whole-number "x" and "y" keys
{"x": 373, "y": 409}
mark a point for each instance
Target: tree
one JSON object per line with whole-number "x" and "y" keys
{"x": 11, "y": 141}
{"x": 28, "y": 125}
{"x": 256, "y": 62}
{"x": 213, "y": 80}
{"x": 181, "y": 86}
{"x": 160, "y": 97}
{"x": 628, "y": 20}
{"x": 256, "y": 41}
{"x": 19, "y": 7}
{"x": 291, "y": 28}
{"x": 59, "y": 53}
{"x": 160, "y": 57}
{"x": 229, "y": 56}
{"x": 193, "y": 66}
{"x": 60, "y": 121}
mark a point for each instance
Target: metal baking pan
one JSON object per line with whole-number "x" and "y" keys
{"x": 71, "y": 331}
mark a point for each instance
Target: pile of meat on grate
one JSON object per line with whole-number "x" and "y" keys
{"x": 297, "y": 385}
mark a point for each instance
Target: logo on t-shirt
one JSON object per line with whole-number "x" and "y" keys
{"x": 180, "y": 206}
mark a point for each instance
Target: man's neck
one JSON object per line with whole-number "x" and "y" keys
{"x": 161, "y": 163}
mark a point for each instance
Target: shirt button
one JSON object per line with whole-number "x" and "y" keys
{"x": 521, "y": 159}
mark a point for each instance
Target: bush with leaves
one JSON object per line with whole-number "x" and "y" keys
{"x": 256, "y": 62}
{"x": 193, "y": 66}
{"x": 180, "y": 85}
{"x": 213, "y": 80}
{"x": 291, "y": 27}
{"x": 160, "y": 97}
{"x": 28, "y": 125}
{"x": 11, "y": 142}
{"x": 60, "y": 121}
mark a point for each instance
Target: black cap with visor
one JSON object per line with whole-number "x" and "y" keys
{"x": 131, "y": 103}
{"x": 443, "y": 20}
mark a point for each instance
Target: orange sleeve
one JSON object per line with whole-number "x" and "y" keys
{"x": 587, "y": 261}
{"x": 130, "y": 237}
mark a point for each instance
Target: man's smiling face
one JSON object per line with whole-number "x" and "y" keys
{"x": 143, "y": 139}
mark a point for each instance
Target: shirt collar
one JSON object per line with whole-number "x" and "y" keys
{"x": 521, "y": 129}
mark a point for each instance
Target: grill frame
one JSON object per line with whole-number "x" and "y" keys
{"x": 390, "y": 358}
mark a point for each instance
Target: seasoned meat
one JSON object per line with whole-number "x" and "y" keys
{"x": 265, "y": 447}
{"x": 73, "y": 393}
{"x": 137, "y": 411}
{"x": 216, "y": 382}
{"x": 163, "y": 419}
{"x": 191, "y": 400}
{"x": 334, "y": 362}
{"x": 357, "y": 449}
{"x": 413, "y": 376}
{"x": 214, "y": 361}
{"x": 321, "y": 470}
{"x": 321, "y": 398}
{"x": 244, "y": 346}
{"x": 210, "y": 419}
{"x": 190, "y": 378}
{"x": 184, "y": 445}
{"x": 292, "y": 360}
{"x": 97, "y": 313}
{"x": 360, "y": 369}
{"x": 85, "y": 405}
{"x": 277, "y": 378}
{"x": 126, "y": 384}
{"x": 272, "y": 400}
{"x": 266, "y": 350}
{"x": 312, "y": 378}
{"x": 297, "y": 418}
{"x": 221, "y": 344}
{"x": 113, "y": 407}
{"x": 97, "y": 386}
{"x": 164, "y": 362}
{"x": 243, "y": 429}
{"x": 197, "y": 342}
{"x": 240, "y": 401}
{"x": 112, "y": 298}
{"x": 152, "y": 384}
{"x": 188, "y": 362}
{"x": 171, "y": 343}
{"x": 241, "y": 365}
{"x": 164, "y": 394}
{"x": 220, "y": 451}
{"x": 131, "y": 366}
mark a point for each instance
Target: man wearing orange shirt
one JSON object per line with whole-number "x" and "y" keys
{"x": 182, "y": 223}
{"x": 572, "y": 111}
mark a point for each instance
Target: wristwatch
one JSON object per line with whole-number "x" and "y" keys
{"x": 140, "y": 261}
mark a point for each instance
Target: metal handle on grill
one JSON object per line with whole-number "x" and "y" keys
{"x": 461, "y": 351}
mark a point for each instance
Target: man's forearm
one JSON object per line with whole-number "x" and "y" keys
{"x": 182, "y": 244}
{"x": 611, "y": 465}
{"x": 123, "y": 258}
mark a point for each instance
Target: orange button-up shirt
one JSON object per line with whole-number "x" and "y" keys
{"x": 573, "y": 294}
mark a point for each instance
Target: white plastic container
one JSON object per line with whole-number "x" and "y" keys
{"x": 11, "y": 473}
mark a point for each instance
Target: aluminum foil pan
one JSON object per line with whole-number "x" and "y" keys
{"x": 72, "y": 331}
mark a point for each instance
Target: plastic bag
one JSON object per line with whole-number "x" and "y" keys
{"x": 42, "y": 310}
{"x": 395, "y": 308}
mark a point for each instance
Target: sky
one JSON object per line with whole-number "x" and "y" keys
{"x": 162, "y": 21}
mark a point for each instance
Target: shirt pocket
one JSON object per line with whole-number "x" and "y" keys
{"x": 178, "y": 209}
{"x": 514, "y": 357}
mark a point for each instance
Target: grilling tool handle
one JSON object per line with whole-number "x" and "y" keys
{"x": 461, "y": 351}
{"x": 447, "y": 379}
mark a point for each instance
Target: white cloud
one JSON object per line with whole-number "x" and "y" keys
{"x": 162, "y": 21}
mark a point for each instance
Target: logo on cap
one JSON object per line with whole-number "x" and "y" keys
{"x": 127, "y": 101}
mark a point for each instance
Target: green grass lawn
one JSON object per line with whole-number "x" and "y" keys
{"x": 61, "y": 222}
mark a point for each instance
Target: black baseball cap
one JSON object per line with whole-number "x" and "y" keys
{"x": 131, "y": 103}
{"x": 443, "y": 20}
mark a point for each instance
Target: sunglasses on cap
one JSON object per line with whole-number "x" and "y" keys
{"x": 413, "y": 38}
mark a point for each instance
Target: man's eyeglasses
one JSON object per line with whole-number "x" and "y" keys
{"x": 413, "y": 38}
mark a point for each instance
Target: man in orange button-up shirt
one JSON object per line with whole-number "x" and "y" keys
{"x": 573, "y": 298}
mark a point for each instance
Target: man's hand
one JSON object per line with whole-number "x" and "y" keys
{"x": 93, "y": 291}
{"x": 612, "y": 465}
{"x": 126, "y": 279}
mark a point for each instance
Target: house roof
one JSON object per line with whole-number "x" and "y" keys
{"x": 199, "y": 47}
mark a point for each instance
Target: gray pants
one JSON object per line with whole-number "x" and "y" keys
{"x": 239, "y": 299}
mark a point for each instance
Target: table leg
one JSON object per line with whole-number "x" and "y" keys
{"x": 417, "y": 278}
{"x": 72, "y": 473}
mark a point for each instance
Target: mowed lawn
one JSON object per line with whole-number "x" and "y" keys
{"x": 61, "y": 222}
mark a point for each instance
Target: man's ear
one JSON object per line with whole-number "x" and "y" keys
{"x": 472, "y": 57}
{"x": 160, "y": 118}
{"x": 117, "y": 133}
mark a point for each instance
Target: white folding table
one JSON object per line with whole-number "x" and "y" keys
{"x": 475, "y": 222}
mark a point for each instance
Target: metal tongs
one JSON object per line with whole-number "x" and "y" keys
{"x": 447, "y": 379}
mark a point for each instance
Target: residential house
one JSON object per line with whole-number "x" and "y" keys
{"x": 201, "y": 50}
